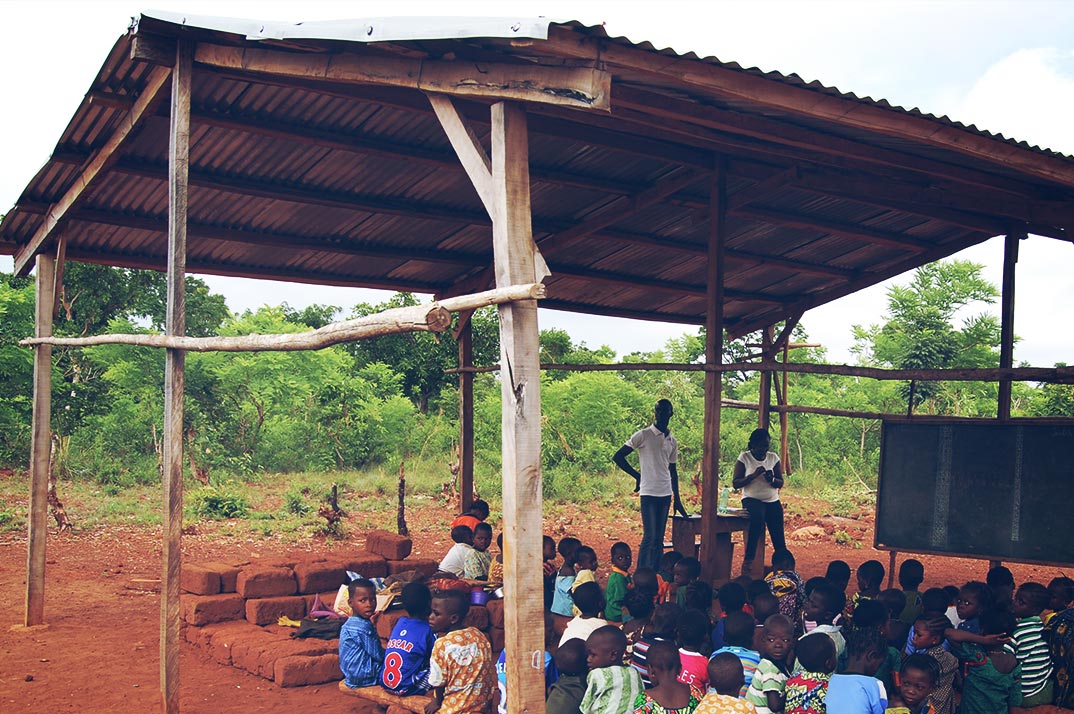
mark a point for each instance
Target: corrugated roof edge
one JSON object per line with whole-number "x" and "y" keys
{"x": 816, "y": 86}
{"x": 373, "y": 29}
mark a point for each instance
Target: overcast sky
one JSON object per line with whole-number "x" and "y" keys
{"x": 1004, "y": 66}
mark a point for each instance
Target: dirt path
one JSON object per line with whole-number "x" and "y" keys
{"x": 99, "y": 651}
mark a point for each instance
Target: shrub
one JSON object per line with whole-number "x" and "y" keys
{"x": 220, "y": 502}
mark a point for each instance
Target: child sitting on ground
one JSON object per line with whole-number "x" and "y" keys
{"x": 786, "y": 584}
{"x": 911, "y": 575}
{"x": 871, "y": 614}
{"x": 764, "y": 606}
{"x": 738, "y": 635}
{"x": 767, "y": 691}
{"x": 917, "y": 680}
{"x": 668, "y": 693}
{"x": 807, "y": 689}
{"x": 870, "y": 578}
{"x": 585, "y": 566}
{"x": 1001, "y": 582}
{"x": 496, "y": 570}
{"x": 1061, "y": 590}
{"x": 666, "y": 574}
{"x": 478, "y": 512}
{"x": 895, "y": 602}
{"x": 360, "y": 654}
{"x": 692, "y": 633}
{"x": 548, "y": 565}
{"x": 699, "y": 597}
{"x": 974, "y": 599}
{"x": 406, "y": 658}
{"x": 1030, "y": 647}
{"x": 561, "y": 600}
{"x": 928, "y": 639}
{"x": 838, "y": 574}
{"x": 821, "y": 607}
{"x": 648, "y": 582}
{"x": 639, "y": 606}
{"x": 725, "y": 683}
{"x": 661, "y": 628}
{"x": 477, "y": 560}
{"x": 732, "y": 597}
{"x": 810, "y": 585}
{"x": 611, "y": 687}
{"x": 590, "y": 602}
{"x": 856, "y": 690}
{"x": 618, "y": 582}
{"x": 990, "y": 681}
{"x": 454, "y": 563}
{"x": 565, "y": 696}
{"x": 686, "y": 571}
{"x": 933, "y": 602}
{"x": 461, "y": 666}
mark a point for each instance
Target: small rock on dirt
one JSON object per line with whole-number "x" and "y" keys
{"x": 809, "y": 533}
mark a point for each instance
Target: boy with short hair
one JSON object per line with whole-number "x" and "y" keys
{"x": 668, "y": 692}
{"x": 856, "y": 690}
{"x": 565, "y": 696}
{"x": 929, "y": 632}
{"x": 685, "y": 572}
{"x": 838, "y": 574}
{"x": 807, "y": 689}
{"x": 786, "y": 584}
{"x": 665, "y": 573}
{"x": 661, "y": 629}
{"x": 478, "y": 512}
{"x": 611, "y": 687}
{"x": 360, "y": 654}
{"x": 870, "y": 578}
{"x": 1030, "y": 646}
{"x": 618, "y": 582}
{"x": 406, "y": 658}
{"x": 732, "y": 597}
{"x": 478, "y": 559}
{"x": 454, "y": 563}
{"x": 765, "y": 605}
{"x": 461, "y": 667}
{"x": 822, "y": 606}
{"x": 589, "y": 601}
{"x": 1001, "y": 580}
{"x": 917, "y": 680}
{"x": 738, "y": 634}
{"x": 895, "y": 602}
{"x": 768, "y": 689}
{"x": 692, "y": 632}
{"x": 725, "y": 683}
{"x": 911, "y": 575}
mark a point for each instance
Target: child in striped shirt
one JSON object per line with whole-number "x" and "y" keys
{"x": 738, "y": 635}
{"x": 1030, "y": 647}
{"x": 611, "y": 687}
{"x": 768, "y": 689}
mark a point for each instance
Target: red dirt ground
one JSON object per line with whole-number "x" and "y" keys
{"x": 99, "y": 651}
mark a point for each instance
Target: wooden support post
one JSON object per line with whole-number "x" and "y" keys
{"x": 520, "y": 377}
{"x": 37, "y": 527}
{"x": 1006, "y": 340}
{"x": 891, "y": 568}
{"x": 784, "y": 446}
{"x": 765, "y": 400}
{"x": 710, "y": 460}
{"x": 174, "y": 361}
{"x": 466, "y": 417}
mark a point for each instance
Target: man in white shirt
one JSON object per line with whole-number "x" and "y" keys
{"x": 657, "y": 482}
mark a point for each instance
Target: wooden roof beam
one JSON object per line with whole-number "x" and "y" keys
{"x": 98, "y": 163}
{"x": 627, "y": 281}
{"x": 472, "y": 155}
{"x": 847, "y": 230}
{"x": 575, "y": 87}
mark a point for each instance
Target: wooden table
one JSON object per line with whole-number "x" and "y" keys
{"x": 686, "y": 539}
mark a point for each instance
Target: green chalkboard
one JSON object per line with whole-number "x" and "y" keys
{"x": 1003, "y": 491}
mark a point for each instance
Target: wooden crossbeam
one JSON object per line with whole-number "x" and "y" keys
{"x": 847, "y": 230}
{"x": 97, "y": 164}
{"x": 472, "y": 155}
{"x": 576, "y": 87}
{"x": 762, "y": 189}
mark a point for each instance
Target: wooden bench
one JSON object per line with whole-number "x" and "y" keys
{"x": 414, "y": 703}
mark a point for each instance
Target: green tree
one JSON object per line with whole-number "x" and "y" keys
{"x": 16, "y": 369}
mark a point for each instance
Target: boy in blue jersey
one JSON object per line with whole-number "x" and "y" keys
{"x": 406, "y": 658}
{"x": 360, "y": 653}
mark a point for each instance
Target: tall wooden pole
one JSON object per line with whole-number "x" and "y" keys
{"x": 178, "y": 172}
{"x": 466, "y": 417}
{"x": 784, "y": 447}
{"x": 710, "y": 460}
{"x": 1006, "y": 340}
{"x": 40, "y": 443}
{"x": 513, "y": 248}
{"x": 765, "y": 400}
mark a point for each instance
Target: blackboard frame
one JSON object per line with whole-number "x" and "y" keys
{"x": 890, "y": 505}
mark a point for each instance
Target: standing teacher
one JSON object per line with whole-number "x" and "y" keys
{"x": 758, "y": 474}
{"x": 658, "y": 482}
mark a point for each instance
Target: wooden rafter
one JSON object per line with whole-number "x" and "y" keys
{"x": 855, "y": 231}
{"x": 97, "y": 164}
{"x": 577, "y": 87}
{"x": 472, "y": 155}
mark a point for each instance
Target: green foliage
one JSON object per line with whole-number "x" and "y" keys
{"x": 220, "y": 502}
{"x": 16, "y": 369}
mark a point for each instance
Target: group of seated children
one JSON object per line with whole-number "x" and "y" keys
{"x": 650, "y": 642}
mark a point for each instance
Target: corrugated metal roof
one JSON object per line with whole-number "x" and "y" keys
{"x": 315, "y": 181}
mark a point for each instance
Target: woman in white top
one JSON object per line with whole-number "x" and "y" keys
{"x": 758, "y": 474}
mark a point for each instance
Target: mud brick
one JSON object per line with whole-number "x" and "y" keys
{"x": 236, "y": 641}
{"x": 198, "y": 580}
{"x": 258, "y": 582}
{"x": 478, "y": 617}
{"x": 387, "y": 621}
{"x": 299, "y": 671}
{"x": 266, "y": 659}
{"x": 389, "y": 545}
{"x": 228, "y": 572}
{"x": 366, "y": 565}
{"x": 247, "y": 651}
{"x": 202, "y": 637}
{"x": 315, "y": 577}
{"x": 265, "y": 611}
{"x": 421, "y": 567}
{"x": 496, "y": 637}
{"x": 495, "y": 608}
{"x": 274, "y": 562}
{"x": 201, "y": 610}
